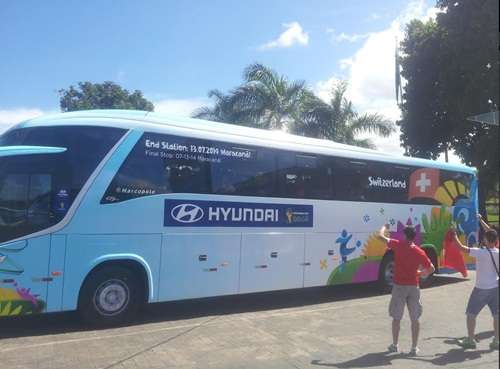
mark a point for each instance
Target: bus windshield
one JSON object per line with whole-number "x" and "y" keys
{"x": 36, "y": 191}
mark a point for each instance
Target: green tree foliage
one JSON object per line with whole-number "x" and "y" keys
{"x": 451, "y": 66}
{"x": 425, "y": 130}
{"x": 265, "y": 100}
{"x": 338, "y": 120}
{"x": 224, "y": 110}
{"x": 268, "y": 100}
{"x": 107, "y": 95}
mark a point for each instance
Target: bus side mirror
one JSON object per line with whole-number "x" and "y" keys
{"x": 14, "y": 246}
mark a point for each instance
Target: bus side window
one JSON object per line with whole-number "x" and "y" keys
{"x": 252, "y": 176}
{"x": 304, "y": 176}
{"x": 26, "y": 201}
{"x": 307, "y": 173}
{"x": 350, "y": 180}
{"x": 40, "y": 191}
{"x": 14, "y": 189}
{"x": 320, "y": 183}
{"x": 288, "y": 181}
{"x": 189, "y": 176}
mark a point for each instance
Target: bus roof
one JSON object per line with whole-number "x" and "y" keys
{"x": 162, "y": 123}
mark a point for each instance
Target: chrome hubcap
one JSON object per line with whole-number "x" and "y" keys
{"x": 111, "y": 297}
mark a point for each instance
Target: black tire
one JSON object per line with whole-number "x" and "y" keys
{"x": 386, "y": 273}
{"x": 427, "y": 282}
{"x": 110, "y": 296}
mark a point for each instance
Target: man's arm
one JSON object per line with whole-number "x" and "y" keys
{"x": 485, "y": 225}
{"x": 459, "y": 244}
{"x": 426, "y": 267}
{"x": 381, "y": 233}
{"x": 425, "y": 272}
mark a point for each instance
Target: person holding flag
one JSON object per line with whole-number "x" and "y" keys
{"x": 485, "y": 291}
{"x": 486, "y": 227}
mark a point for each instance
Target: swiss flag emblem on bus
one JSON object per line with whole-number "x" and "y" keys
{"x": 424, "y": 183}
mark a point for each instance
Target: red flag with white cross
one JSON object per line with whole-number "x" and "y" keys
{"x": 424, "y": 183}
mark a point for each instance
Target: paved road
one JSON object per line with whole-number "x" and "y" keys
{"x": 340, "y": 327}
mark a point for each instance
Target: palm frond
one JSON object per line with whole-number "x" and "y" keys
{"x": 259, "y": 73}
{"x": 202, "y": 113}
{"x": 366, "y": 142}
{"x": 372, "y": 123}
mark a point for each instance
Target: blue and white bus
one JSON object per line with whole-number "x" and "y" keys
{"x": 103, "y": 211}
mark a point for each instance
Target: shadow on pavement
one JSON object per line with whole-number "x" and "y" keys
{"x": 58, "y": 323}
{"x": 442, "y": 280}
{"x": 378, "y": 359}
{"x": 453, "y": 340}
{"x": 453, "y": 356}
{"x": 373, "y": 359}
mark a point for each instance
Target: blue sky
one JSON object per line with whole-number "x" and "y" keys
{"x": 176, "y": 51}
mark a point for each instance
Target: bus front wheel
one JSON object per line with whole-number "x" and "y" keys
{"x": 109, "y": 296}
{"x": 386, "y": 273}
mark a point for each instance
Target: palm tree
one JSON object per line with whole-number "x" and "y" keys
{"x": 338, "y": 121}
{"x": 222, "y": 111}
{"x": 264, "y": 100}
{"x": 270, "y": 101}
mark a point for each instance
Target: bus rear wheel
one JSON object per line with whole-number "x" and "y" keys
{"x": 109, "y": 296}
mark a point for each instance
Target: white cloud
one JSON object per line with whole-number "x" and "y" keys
{"x": 345, "y": 63}
{"x": 370, "y": 73}
{"x": 323, "y": 89}
{"x": 346, "y": 37}
{"x": 10, "y": 117}
{"x": 293, "y": 35}
{"x": 180, "y": 107}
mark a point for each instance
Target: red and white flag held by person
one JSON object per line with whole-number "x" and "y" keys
{"x": 453, "y": 257}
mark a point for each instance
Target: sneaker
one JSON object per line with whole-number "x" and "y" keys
{"x": 392, "y": 348}
{"x": 494, "y": 344}
{"x": 466, "y": 343}
{"x": 414, "y": 351}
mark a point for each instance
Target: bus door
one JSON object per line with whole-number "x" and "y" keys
{"x": 24, "y": 276}
{"x": 27, "y": 209}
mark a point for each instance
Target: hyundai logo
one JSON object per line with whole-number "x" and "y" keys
{"x": 187, "y": 213}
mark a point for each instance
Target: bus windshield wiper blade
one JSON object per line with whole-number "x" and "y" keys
{"x": 29, "y": 150}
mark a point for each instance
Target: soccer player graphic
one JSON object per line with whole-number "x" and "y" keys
{"x": 345, "y": 251}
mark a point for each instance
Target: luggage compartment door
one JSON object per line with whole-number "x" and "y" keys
{"x": 271, "y": 262}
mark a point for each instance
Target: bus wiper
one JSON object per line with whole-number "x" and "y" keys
{"x": 29, "y": 150}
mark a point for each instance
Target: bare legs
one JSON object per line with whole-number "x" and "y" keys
{"x": 495, "y": 326}
{"x": 396, "y": 325}
{"x": 471, "y": 326}
{"x": 415, "y": 329}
